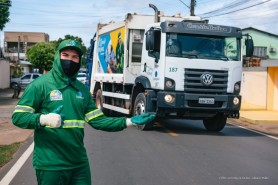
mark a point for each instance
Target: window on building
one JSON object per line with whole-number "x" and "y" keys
{"x": 260, "y": 51}
{"x": 12, "y": 47}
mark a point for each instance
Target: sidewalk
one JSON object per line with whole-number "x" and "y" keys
{"x": 260, "y": 120}
{"x": 9, "y": 133}
{"x": 263, "y": 121}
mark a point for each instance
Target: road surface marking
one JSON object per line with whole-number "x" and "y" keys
{"x": 252, "y": 130}
{"x": 16, "y": 167}
{"x": 167, "y": 130}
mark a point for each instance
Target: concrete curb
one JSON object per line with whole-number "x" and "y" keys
{"x": 266, "y": 128}
{"x": 259, "y": 121}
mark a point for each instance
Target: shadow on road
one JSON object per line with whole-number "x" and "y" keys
{"x": 195, "y": 127}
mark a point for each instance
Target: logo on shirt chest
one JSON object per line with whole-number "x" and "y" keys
{"x": 79, "y": 95}
{"x": 56, "y": 95}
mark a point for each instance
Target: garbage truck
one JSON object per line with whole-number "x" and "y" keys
{"x": 175, "y": 67}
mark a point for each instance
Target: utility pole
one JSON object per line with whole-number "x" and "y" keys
{"x": 192, "y": 7}
{"x": 18, "y": 48}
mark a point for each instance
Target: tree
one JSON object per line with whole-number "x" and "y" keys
{"x": 41, "y": 55}
{"x": 84, "y": 49}
{"x": 4, "y": 13}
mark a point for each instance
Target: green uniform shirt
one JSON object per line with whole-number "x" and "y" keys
{"x": 60, "y": 148}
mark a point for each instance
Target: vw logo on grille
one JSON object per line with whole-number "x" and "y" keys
{"x": 206, "y": 79}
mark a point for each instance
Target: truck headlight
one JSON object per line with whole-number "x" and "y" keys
{"x": 237, "y": 88}
{"x": 236, "y": 100}
{"x": 169, "y": 98}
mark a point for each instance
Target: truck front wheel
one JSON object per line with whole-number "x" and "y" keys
{"x": 139, "y": 108}
{"x": 216, "y": 123}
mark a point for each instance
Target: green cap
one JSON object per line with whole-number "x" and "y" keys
{"x": 71, "y": 44}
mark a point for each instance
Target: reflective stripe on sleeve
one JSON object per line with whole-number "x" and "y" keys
{"x": 22, "y": 108}
{"x": 93, "y": 114}
{"x": 72, "y": 124}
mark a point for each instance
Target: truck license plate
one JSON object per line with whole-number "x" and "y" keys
{"x": 206, "y": 100}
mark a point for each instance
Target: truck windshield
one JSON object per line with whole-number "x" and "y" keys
{"x": 203, "y": 47}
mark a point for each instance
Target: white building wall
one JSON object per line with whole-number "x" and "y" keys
{"x": 4, "y": 74}
{"x": 254, "y": 89}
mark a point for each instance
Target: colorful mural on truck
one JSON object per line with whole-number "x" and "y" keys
{"x": 111, "y": 52}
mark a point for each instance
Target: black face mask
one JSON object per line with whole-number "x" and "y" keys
{"x": 70, "y": 68}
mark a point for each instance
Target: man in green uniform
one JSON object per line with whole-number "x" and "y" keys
{"x": 120, "y": 54}
{"x": 57, "y": 106}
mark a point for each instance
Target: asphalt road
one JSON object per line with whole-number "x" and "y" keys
{"x": 181, "y": 153}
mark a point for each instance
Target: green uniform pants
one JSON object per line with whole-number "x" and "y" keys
{"x": 78, "y": 176}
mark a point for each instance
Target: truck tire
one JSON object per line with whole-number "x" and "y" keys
{"x": 216, "y": 123}
{"x": 139, "y": 108}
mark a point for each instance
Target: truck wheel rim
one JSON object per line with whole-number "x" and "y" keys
{"x": 140, "y": 108}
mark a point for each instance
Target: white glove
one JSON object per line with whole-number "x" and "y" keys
{"x": 141, "y": 119}
{"x": 52, "y": 119}
{"x": 128, "y": 122}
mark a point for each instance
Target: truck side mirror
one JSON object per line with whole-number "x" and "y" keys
{"x": 153, "y": 40}
{"x": 249, "y": 47}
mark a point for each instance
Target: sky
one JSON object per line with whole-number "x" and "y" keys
{"x": 80, "y": 18}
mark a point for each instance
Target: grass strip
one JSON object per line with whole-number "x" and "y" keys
{"x": 7, "y": 152}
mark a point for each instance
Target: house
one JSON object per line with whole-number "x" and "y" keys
{"x": 15, "y": 47}
{"x": 259, "y": 85}
{"x": 265, "y": 44}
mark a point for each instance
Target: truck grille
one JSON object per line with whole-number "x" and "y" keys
{"x": 193, "y": 84}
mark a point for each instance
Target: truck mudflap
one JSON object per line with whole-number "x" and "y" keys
{"x": 174, "y": 102}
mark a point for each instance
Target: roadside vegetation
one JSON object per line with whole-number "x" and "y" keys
{"x": 7, "y": 152}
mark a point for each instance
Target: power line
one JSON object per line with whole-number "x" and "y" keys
{"x": 257, "y": 15}
{"x": 237, "y": 9}
{"x": 184, "y": 4}
{"x": 228, "y": 6}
